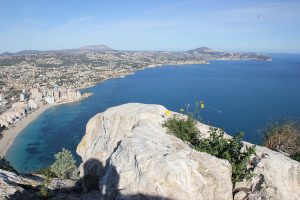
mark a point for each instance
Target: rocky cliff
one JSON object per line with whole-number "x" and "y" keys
{"x": 127, "y": 154}
{"x": 140, "y": 158}
{"x": 130, "y": 152}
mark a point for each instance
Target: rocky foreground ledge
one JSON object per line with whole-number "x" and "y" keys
{"x": 139, "y": 157}
{"x": 127, "y": 154}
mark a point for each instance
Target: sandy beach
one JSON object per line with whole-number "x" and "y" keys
{"x": 10, "y": 134}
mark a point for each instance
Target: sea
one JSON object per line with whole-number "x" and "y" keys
{"x": 238, "y": 96}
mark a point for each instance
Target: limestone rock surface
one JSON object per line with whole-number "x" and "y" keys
{"x": 134, "y": 157}
{"x": 277, "y": 177}
{"x": 12, "y": 183}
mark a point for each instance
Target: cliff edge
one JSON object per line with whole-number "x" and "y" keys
{"x": 130, "y": 152}
{"x": 139, "y": 158}
{"x": 127, "y": 154}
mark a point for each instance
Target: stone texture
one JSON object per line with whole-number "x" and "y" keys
{"x": 10, "y": 183}
{"x": 131, "y": 153}
{"x": 276, "y": 177}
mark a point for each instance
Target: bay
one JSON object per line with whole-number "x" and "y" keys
{"x": 238, "y": 96}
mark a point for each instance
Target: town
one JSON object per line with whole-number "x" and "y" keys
{"x": 31, "y": 79}
{"x": 29, "y": 101}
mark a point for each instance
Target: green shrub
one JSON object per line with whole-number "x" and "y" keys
{"x": 5, "y": 165}
{"x": 284, "y": 137}
{"x": 231, "y": 149}
{"x": 64, "y": 165}
{"x": 47, "y": 172}
{"x": 44, "y": 192}
{"x": 296, "y": 157}
{"x": 185, "y": 129}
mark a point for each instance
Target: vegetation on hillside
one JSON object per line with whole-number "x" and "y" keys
{"x": 231, "y": 149}
{"x": 5, "y": 165}
{"x": 284, "y": 137}
{"x": 185, "y": 129}
{"x": 64, "y": 165}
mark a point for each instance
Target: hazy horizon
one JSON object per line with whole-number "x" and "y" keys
{"x": 256, "y": 26}
{"x": 173, "y": 50}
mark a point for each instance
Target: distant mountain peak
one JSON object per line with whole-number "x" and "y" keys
{"x": 201, "y": 50}
{"x": 80, "y": 50}
{"x": 88, "y": 49}
{"x": 96, "y": 47}
{"x": 6, "y": 53}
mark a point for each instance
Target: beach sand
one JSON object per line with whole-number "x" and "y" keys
{"x": 10, "y": 134}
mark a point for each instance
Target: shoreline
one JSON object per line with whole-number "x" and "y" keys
{"x": 10, "y": 135}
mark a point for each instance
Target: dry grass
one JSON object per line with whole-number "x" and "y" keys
{"x": 283, "y": 137}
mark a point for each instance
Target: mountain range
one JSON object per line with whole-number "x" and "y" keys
{"x": 80, "y": 50}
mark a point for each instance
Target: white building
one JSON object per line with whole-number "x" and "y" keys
{"x": 33, "y": 104}
{"x": 50, "y": 92}
{"x": 22, "y": 97}
{"x": 36, "y": 94}
{"x": 44, "y": 91}
{"x": 78, "y": 94}
{"x": 4, "y": 123}
{"x": 50, "y": 99}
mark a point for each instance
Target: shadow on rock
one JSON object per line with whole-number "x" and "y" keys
{"x": 98, "y": 182}
{"x": 92, "y": 172}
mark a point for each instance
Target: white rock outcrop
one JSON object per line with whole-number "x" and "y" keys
{"x": 10, "y": 183}
{"x": 135, "y": 158}
{"x": 132, "y": 155}
{"x": 277, "y": 177}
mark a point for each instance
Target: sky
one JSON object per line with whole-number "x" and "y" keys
{"x": 231, "y": 25}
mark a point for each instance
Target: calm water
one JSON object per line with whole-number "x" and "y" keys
{"x": 238, "y": 96}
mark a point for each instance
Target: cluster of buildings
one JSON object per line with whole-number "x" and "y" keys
{"x": 34, "y": 99}
{"x": 51, "y": 96}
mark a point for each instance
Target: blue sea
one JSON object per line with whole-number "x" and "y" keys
{"x": 238, "y": 96}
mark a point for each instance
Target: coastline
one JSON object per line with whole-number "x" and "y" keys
{"x": 9, "y": 135}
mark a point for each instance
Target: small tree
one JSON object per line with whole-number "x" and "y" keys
{"x": 64, "y": 165}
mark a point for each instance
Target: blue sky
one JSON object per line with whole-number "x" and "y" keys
{"x": 231, "y": 25}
